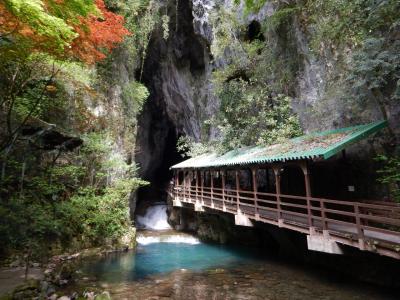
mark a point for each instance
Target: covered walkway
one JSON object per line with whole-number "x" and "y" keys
{"x": 273, "y": 185}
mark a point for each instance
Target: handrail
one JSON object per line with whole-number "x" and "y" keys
{"x": 363, "y": 216}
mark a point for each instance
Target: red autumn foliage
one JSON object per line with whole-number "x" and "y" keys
{"x": 9, "y": 25}
{"x": 98, "y": 34}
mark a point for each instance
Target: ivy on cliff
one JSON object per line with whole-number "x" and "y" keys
{"x": 253, "y": 85}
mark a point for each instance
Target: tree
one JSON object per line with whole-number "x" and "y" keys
{"x": 97, "y": 34}
{"x": 80, "y": 29}
{"x": 33, "y": 35}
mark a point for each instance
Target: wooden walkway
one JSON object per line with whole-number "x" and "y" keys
{"x": 367, "y": 226}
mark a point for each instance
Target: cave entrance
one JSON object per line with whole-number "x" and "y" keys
{"x": 160, "y": 176}
{"x": 254, "y": 31}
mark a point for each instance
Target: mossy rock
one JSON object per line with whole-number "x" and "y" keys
{"x": 27, "y": 290}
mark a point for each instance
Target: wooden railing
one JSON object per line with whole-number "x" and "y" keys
{"x": 367, "y": 226}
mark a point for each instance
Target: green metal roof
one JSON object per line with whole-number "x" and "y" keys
{"x": 322, "y": 145}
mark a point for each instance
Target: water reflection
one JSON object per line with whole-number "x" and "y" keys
{"x": 182, "y": 271}
{"x": 156, "y": 258}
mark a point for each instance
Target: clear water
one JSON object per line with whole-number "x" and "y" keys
{"x": 170, "y": 265}
{"x": 165, "y": 257}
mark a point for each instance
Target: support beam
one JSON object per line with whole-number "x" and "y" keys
{"x": 177, "y": 202}
{"x": 198, "y": 207}
{"x": 223, "y": 190}
{"x": 237, "y": 182}
{"x": 255, "y": 191}
{"x": 184, "y": 186}
{"x": 243, "y": 220}
{"x": 202, "y": 186}
{"x": 196, "y": 174}
{"x": 360, "y": 230}
{"x": 212, "y": 188}
{"x": 323, "y": 243}
{"x": 176, "y": 174}
{"x": 277, "y": 173}
{"x": 306, "y": 173}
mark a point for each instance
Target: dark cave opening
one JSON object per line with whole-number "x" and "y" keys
{"x": 160, "y": 176}
{"x": 254, "y": 31}
{"x": 171, "y": 70}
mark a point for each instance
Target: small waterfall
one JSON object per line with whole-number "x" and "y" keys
{"x": 155, "y": 218}
{"x": 174, "y": 238}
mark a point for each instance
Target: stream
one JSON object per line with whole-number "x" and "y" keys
{"x": 172, "y": 265}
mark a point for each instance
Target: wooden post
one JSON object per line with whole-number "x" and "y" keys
{"x": 323, "y": 215}
{"x": 189, "y": 187}
{"x": 202, "y": 186}
{"x": 360, "y": 230}
{"x": 174, "y": 189}
{"x": 197, "y": 184}
{"x": 237, "y": 182}
{"x": 184, "y": 186}
{"x": 212, "y": 188}
{"x": 223, "y": 190}
{"x": 255, "y": 191}
{"x": 306, "y": 173}
{"x": 277, "y": 173}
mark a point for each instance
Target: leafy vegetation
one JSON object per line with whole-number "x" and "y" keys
{"x": 81, "y": 29}
{"x": 251, "y": 114}
{"x": 389, "y": 174}
{"x": 376, "y": 71}
{"x": 253, "y": 85}
{"x": 56, "y": 195}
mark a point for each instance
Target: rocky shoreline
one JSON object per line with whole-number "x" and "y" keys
{"x": 51, "y": 278}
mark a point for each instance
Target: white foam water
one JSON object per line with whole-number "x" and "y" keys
{"x": 155, "y": 218}
{"x": 180, "y": 239}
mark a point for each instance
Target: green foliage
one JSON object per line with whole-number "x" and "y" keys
{"x": 226, "y": 29}
{"x": 28, "y": 225}
{"x": 339, "y": 22}
{"x": 376, "y": 66}
{"x": 90, "y": 218}
{"x": 77, "y": 72}
{"x": 281, "y": 16}
{"x": 165, "y": 26}
{"x": 251, "y": 6}
{"x": 390, "y": 174}
{"x": 251, "y": 85}
{"x": 141, "y": 17}
{"x": 188, "y": 147}
{"x": 53, "y": 198}
{"x": 81, "y": 203}
{"x": 33, "y": 13}
{"x": 251, "y": 114}
{"x": 71, "y": 8}
{"x": 335, "y": 23}
{"x": 134, "y": 95}
{"x": 99, "y": 218}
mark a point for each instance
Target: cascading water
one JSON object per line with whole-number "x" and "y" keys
{"x": 155, "y": 218}
{"x": 171, "y": 238}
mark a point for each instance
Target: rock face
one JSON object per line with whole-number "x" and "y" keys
{"x": 177, "y": 72}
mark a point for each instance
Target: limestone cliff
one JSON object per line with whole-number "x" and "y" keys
{"x": 178, "y": 73}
